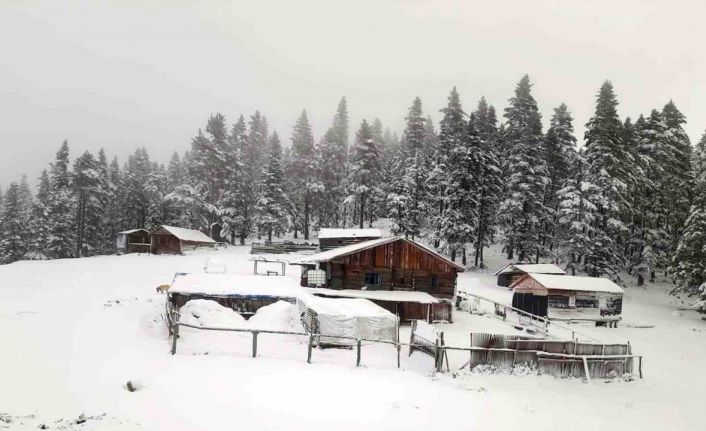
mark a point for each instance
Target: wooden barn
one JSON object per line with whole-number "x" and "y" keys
{"x": 333, "y": 238}
{"x": 566, "y": 297}
{"x": 133, "y": 241}
{"x": 398, "y": 274}
{"x": 176, "y": 240}
{"x": 244, "y": 294}
{"x": 514, "y": 271}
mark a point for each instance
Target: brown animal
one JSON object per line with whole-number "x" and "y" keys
{"x": 163, "y": 288}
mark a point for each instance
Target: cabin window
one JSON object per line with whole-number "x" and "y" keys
{"x": 434, "y": 282}
{"x": 372, "y": 278}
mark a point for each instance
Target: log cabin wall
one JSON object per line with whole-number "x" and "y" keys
{"x": 164, "y": 242}
{"x": 399, "y": 265}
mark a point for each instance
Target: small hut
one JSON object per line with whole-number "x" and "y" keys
{"x": 568, "y": 297}
{"x": 512, "y": 272}
{"x": 133, "y": 241}
{"x": 176, "y": 240}
{"x": 244, "y": 294}
{"x": 333, "y": 238}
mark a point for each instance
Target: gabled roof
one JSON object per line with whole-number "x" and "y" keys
{"x": 531, "y": 268}
{"x": 570, "y": 282}
{"x": 186, "y": 234}
{"x": 327, "y": 233}
{"x": 326, "y": 256}
{"x": 127, "y": 232}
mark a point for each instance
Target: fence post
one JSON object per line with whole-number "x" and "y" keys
{"x": 437, "y": 360}
{"x": 254, "y": 344}
{"x": 639, "y": 366}
{"x": 411, "y": 337}
{"x": 311, "y": 345}
{"x": 175, "y": 335}
{"x": 357, "y": 360}
{"x": 398, "y": 354}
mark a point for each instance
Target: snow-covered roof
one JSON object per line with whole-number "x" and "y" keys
{"x": 326, "y": 233}
{"x": 187, "y": 234}
{"x": 328, "y": 255}
{"x": 345, "y": 307}
{"x": 235, "y": 284}
{"x": 531, "y": 268}
{"x": 377, "y": 295}
{"x": 570, "y": 282}
{"x": 127, "y": 232}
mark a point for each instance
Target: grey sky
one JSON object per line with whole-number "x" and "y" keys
{"x": 124, "y": 74}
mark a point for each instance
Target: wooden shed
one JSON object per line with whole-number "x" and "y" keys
{"x": 566, "y": 297}
{"x": 333, "y": 238}
{"x": 512, "y": 272}
{"x": 387, "y": 264}
{"x": 133, "y": 241}
{"x": 176, "y": 240}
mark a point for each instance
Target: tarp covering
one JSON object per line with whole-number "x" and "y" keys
{"x": 348, "y": 317}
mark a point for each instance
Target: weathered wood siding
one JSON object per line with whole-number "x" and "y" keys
{"x": 165, "y": 243}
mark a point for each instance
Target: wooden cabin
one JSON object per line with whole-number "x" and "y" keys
{"x": 566, "y": 297}
{"x": 514, "y": 271}
{"x": 133, "y": 241}
{"x": 333, "y": 238}
{"x": 372, "y": 269}
{"x": 176, "y": 240}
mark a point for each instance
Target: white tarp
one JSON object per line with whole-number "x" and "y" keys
{"x": 350, "y": 317}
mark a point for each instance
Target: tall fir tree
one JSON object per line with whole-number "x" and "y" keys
{"x": 272, "y": 202}
{"x": 365, "y": 169}
{"x": 61, "y": 206}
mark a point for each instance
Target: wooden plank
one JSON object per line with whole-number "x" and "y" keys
{"x": 586, "y": 370}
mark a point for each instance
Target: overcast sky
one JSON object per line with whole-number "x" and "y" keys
{"x": 123, "y": 74}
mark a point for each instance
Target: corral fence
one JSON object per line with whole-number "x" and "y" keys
{"x": 559, "y": 358}
{"x": 569, "y": 358}
{"x": 281, "y": 247}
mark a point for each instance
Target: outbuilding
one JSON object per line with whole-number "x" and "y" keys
{"x": 176, "y": 240}
{"x": 391, "y": 272}
{"x": 566, "y": 297}
{"x": 512, "y": 272}
{"x": 133, "y": 241}
{"x": 244, "y": 294}
{"x": 333, "y": 238}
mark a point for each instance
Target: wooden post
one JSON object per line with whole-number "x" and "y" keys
{"x": 357, "y": 359}
{"x": 437, "y": 358}
{"x": 311, "y": 345}
{"x": 411, "y": 337}
{"x": 175, "y": 335}
{"x": 639, "y": 366}
{"x": 284, "y": 268}
{"x": 585, "y": 368}
{"x": 429, "y": 313}
{"x": 255, "y": 270}
{"x": 254, "y": 344}
{"x": 398, "y": 353}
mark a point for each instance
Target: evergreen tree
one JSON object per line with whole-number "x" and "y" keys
{"x": 236, "y": 208}
{"x": 302, "y": 171}
{"x": 61, "y": 206}
{"x": 14, "y": 219}
{"x": 415, "y": 191}
{"x": 523, "y": 210}
{"x": 38, "y": 223}
{"x": 365, "y": 169}
{"x": 272, "y": 203}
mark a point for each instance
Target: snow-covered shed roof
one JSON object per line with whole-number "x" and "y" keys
{"x": 377, "y": 295}
{"x": 128, "y": 232}
{"x": 575, "y": 283}
{"x": 234, "y": 285}
{"x": 345, "y": 307}
{"x": 531, "y": 268}
{"x": 326, "y": 233}
{"x": 187, "y": 234}
{"x": 328, "y": 255}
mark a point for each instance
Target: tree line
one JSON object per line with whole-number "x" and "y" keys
{"x": 630, "y": 200}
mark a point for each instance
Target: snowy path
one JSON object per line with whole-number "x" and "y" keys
{"x": 74, "y": 331}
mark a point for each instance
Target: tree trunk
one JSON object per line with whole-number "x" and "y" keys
{"x": 652, "y": 276}
{"x": 453, "y": 255}
{"x": 463, "y": 258}
{"x": 306, "y": 215}
{"x": 362, "y": 210}
{"x": 640, "y": 280}
{"x": 269, "y": 235}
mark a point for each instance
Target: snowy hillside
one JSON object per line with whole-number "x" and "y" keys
{"x": 74, "y": 331}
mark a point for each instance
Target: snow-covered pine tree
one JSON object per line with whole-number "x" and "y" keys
{"x": 137, "y": 198}
{"x": 452, "y": 135}
{"x": 302, "y": 171}
{"x": 523, "y": 210}
{"x": 610, "y": 164}
{"x": 560, "y": 152}
{"x": 489, "y": 178}
{"x": 236, "y": 214}
{"x": 688, "y": 267}
{"x": 89, "y": 208}
{"x": 61, "y": 206}
{"x": 38, "y": 223}
{"x": 272, "y": 203}
{"x": 333, "y": 169}
{"x": 365, "y": 170}
{"x": 14, "y": 222}
{"x": 416, "y": 168}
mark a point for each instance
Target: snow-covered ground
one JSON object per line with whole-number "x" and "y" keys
{"x": 73, "y": 332}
